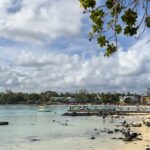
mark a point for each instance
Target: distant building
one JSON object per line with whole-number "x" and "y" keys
{"x": 57, "y": 99}
{"x": 146, "y": 97}
{"x": 71, "y": 99}
{"x": 63, "y": 99}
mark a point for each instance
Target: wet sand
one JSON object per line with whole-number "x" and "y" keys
{"x": 141, "y": 144}
{"x": 144, "y": 141}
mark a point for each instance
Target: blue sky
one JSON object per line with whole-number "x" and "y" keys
{"x": 44, "y": 46}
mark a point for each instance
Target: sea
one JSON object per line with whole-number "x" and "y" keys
{"x": 29, "y": 129}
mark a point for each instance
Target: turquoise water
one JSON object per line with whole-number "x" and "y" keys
{"x": 32, "y": 130}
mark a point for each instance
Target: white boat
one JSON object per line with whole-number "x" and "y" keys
{"x": 43, "y": 109}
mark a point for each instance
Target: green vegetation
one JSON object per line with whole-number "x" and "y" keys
{"x": 128, "y": 100}
{"x": 50, "y": 97}
{"x": 111, "y": 18}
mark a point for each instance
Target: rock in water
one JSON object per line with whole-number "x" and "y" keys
{"x": 110, "y": 132}
{"x": 34, "y": 140}
{"x": 4, "y": 123}
{"x": 134, "y": 135}
{"x": 92, "y": 138}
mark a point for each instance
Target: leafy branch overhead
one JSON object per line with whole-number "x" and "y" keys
{"x": 113, "y": 17}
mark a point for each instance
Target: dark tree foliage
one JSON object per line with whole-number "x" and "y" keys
{"x": 128, "y": 100}
{"x": 113, "y": 17}
{"x": 82, "y": 96}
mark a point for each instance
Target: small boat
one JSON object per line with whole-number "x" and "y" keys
{"x": 43, "y": 109}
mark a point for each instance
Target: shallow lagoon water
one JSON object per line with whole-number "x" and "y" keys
{"x": 32, "y": 130}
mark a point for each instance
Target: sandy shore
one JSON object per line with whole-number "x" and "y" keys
{"x": 142, "y": 144}
{"x": 145, "y": 134}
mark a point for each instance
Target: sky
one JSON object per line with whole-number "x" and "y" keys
{"x": 44, "y": 46}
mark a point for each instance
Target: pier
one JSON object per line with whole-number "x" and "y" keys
{"x": 106, "y": 110}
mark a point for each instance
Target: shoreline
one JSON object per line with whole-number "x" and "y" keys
{"x": 88, "y": 104}
{"x": 92, "y": 133}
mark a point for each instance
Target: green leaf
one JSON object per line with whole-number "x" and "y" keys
{"x": 102, "y": 41}
{"x": 88, "y": 3}
{"x": 147, "y": 21}
{"x": 96, "y": 17}
{"x": 118, "y": 29}
{"x": 113, "y": 17}
{"x": 130, "y": 30}
{"x": 94, "y": 27}
{"x": 110, "y": 3}
{"x": 129, "y": 17}
{"x": 111, "y": 48}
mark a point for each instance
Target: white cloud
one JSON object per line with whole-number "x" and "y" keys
{"x": 125, "y": 71}
{"x": 130, "y": 61}
{"x": 39, "y": 20}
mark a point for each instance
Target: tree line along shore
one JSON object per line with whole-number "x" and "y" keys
{"x": 80, "y": 97}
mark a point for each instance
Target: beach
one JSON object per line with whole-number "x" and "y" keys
{"x": 32, "y": 130}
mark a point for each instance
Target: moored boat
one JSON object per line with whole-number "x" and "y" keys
{"x": 43, "y": 109}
